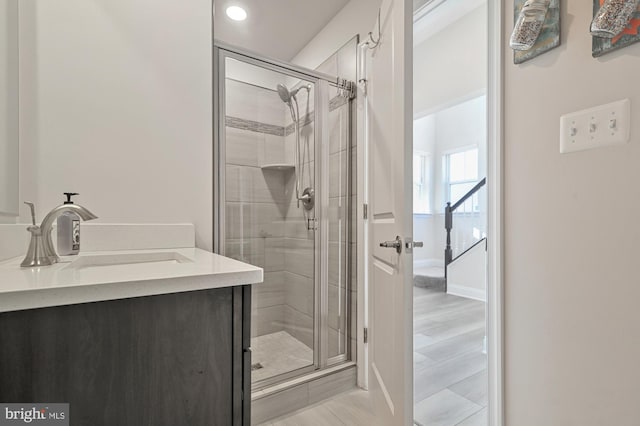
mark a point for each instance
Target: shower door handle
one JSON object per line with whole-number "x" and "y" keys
{"x": 396, "y": 244}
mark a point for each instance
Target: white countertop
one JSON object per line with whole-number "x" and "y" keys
{"x": 83, "y": 281}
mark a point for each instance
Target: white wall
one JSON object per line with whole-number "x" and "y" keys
{"x": 424, "y": 139}
{"x": 451, "y": 65}
{"x": 9, "y": 147}
{"x": 459, "y": 127}
{"x": 357, "y": 17}
{"x": 572, "y": 289}
{"x": 116, "y": 104}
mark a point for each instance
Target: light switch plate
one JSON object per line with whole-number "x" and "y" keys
{"x": 595, "y": 127}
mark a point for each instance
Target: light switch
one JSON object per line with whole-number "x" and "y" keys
{"x": 595, "y": 127}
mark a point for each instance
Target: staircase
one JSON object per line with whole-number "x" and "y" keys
{"x": 449, "y": 255}
{"x": 433, "y": 273}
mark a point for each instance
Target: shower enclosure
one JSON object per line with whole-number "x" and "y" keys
{"x": 283, "y": 156}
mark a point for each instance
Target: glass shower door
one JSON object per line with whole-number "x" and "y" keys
{"x": 268, "y": 144}
{"x": 341, "y": 198}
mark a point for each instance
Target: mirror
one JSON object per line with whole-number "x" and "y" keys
{"x": 9, "y": 132}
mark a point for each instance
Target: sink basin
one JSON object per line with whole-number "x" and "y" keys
{"x": 127, "y": 260}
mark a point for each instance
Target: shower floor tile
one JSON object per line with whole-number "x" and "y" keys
{"x": 278, "y": 353}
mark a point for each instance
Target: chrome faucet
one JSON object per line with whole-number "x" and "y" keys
{"x": 41, "y": 251}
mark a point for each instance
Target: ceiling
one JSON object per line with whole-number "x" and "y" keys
{"x": 434, "y": 16}
{"x": 275, "y": 28}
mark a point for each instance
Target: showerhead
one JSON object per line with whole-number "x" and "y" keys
{"x": 284, "y": 93}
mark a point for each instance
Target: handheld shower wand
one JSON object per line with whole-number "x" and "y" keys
{"x": 289, "y": 98}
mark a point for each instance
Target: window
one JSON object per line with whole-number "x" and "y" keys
{"x": 421, "y": 201}
{"x": 461, "y": 174}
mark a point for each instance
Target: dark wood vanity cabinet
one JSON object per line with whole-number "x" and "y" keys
{"x": 173, "y": 359}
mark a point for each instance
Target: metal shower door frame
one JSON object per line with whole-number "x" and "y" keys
{"x": 321, "y": 83}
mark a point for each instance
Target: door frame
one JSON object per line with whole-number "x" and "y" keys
{"x": 495, "y": 231}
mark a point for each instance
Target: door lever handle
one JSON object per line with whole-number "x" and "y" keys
{"x": 410, "y": 244}
{"x": 396, "y": 244}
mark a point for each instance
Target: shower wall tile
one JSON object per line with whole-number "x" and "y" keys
{"x": 251, "y": 184}
{"x": 299, "y": 257}
{"x": 268, "y": 320}
{"x": 275, "y": 249}
{"x": 338, "y": 129}
{"x": 299, "y": 293}
{"x": 337, "y": 258}
{"x": 268, "y": 186}
{"x": 274, "y": 149}
{"x": 337, "y": 308}
{"x": 250, "y": 250}
{"x": 298, "y": 325}
{"x": 248, "y": 148}
{"x": 289, "y": 146}
{"x": 296, "y": 227}
{"x": 267, "y": 253}
{"x": 244, "y": 148}
{"x": 296, "y": 223}
{"x": 271, "y": 292}
{"x": 306, "y": 180}
{"x": 254, "y": 220}
{"x": 336, "y": 343}
{"x": 337, "y": 170}
{"x": 337, "y": 219}
{"x": 307, "y": 143}
{"x": 253, "y": 103}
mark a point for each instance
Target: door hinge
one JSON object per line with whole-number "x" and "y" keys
{"x": 365, "y": 211}
{"x": 366, "y": 335}
{"x": 312, "y": 224}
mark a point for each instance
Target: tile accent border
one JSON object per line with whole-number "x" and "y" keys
{"x": 254, "y": 126}
{"x": 272, "y": 129}
{"x": 335, "y": 103}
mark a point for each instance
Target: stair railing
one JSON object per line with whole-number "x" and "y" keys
{"x": 448, "y": 224}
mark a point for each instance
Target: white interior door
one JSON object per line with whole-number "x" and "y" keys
{"x": 390, "y": 145}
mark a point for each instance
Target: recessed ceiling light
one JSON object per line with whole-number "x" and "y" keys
{"x": 236, "y": 13}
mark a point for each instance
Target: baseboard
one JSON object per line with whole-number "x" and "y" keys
{"x": 468, "y": 292}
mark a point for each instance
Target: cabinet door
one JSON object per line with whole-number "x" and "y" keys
{"x": 160, "y": 360}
